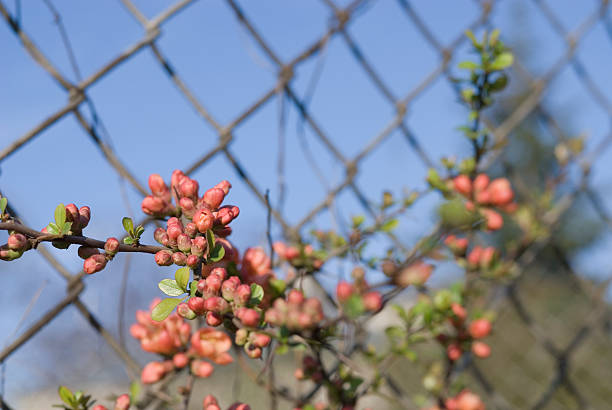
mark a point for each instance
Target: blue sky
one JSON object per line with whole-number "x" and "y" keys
{"x": 153, "y": 129}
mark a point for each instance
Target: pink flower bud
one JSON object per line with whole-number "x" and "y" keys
{"x": 295, "y": 297}
{"x": 481, "y": 349}
{"x": 241, "y": 336}
{"x": 17, "y": 242}
{"x": 494, "y": 220}
{"x": 224, "y": 186}
{"x": 111, "y": 246}
{"x": 187, "y": 206}
{"x": 226, "y": 214}
{"x": 163, "y": 258}
{"x": 192, "y": 261}
{"x": 122, "y": 402}
{"x": 161, "y": 236}
{"x": 197, "y": 305}
{"x": 344, "y": 290}
{"x": 242, "y": 295}
{"x": 152, "y": 372}
{"x": 487, "y": 257}
{"x": 203, "y": 219}
{"x": 183, "y": 242}
{"x": 483, "y": 197}
{"x": 501, "y": 192}
{"x": 213, "y": 284}
{"x": 213, "y": 319}
{"x": 94, "y": 263}
{"x": 217, "y": 304}
{"x": 179, "y": 258}
{"x": 453, "y": 351}
{"x": 99, "y": 407}
{"x": 459, "y": 311}
{"x": 158, "y": 187}
{"x": 480, "y": 182}
{"x": 191, "y": 229}
{"x": 463, "y": 185}
{"x": 72, "y": 215}
{"x": 189, "y": 188}
{"x": 221, "y": 273}
{"x": 184, "y": 311}
{"x": 200, "y": 368}
{"x": 252, "y": 351}
{"x": 473, "y": 257}
{"x": 457, "y": 245}
{"x": 180, "y": 360}
{"x": 84, "y": 216}
{"x": 415, "y": 274}
{"x": 213, "y": 198}
{"x": 152, "y": 205}
{"x": 228, "y": 288}
{"x": 480, "y": 328}
{"x": 208, "y": 400}
{"x": 85, "y": 252}
{"x": 250, "y": 317}
{"x": 198, "y": 246}
{"x": 261, "y": 340}
{"x": 174, "y": 231}
{"x": 372, "y": 301}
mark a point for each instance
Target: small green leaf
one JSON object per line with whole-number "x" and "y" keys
{"x": 494, "y": 37}
{"x": 53, "y": 229}
{"x": 134, "y": 391}
{"x": 282, "y": 349}
{"x": 471, "y": 36}
{"x": 182, "y": 278}
{"x": 60, "y": 215}
{"x": 468, "y": 65}
{"x": 257, "y": 294}
{"x": 210, "y": 239}
{"x": 353, "y": 307}
{"x": 390, "y": 225}
{"x": 163, "y": 309}
{"x": 502, "y": 61}
{"x": 217, "y": 253}
{"x": 128, "y": 225}
{"x": 3, "y": 203}
{"x": 278, "y": 286}
{"x": 193, "y": 288}
{"x": 128, "y": 241}
{"x": 139, "y": 231}
{"x": 499, "y": 84}
{"x": 66, "y": 395}
{"x": 170, "y": 287}
{"x": 358, "y": 221}
{"x": 66, "y": 228}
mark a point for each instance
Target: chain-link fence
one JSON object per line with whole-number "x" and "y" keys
{"x": 567, "y": 341}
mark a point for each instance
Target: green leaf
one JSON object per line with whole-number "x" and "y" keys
{"x": 502, "y": 61}
{"x": 163, "y": 309}
{"x": 182, "y": 278}
{"x": 139, "y": 231}
{"x": 128, "y": 225}
{"x": 128, "y": 241}
{"x": 468, "y": 65}
{"x": 210, "y": 239}
{"x": 60, "y": 215}
{"x": 66, "y": 229}
{"x": 193, "y": 288}
{"x": 3, "y": 203}
{"x": 282, "y": 349}
{"x": 134, "y": 391}
{"x": 53, "y": 229}
{"x": 358, "y": 221}
{"x": 278, "y": 286}
{"x": 390, "y": 225}
{"x": 217, "y": 253}
{"x": 66, "y": 395}
{"x": 471, "y": 36}
{"x": 499, "y": 84}
{"x": 257, "y": 294}
{"x": 170, "y": 287}
{"x": 494, "y": 37}
{"x": 353, "y": 307}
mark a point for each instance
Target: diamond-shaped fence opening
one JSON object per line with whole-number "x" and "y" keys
{"x": 324, "y": 105}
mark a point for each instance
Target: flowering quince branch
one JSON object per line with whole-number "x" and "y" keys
{"x": 241, "y": 302}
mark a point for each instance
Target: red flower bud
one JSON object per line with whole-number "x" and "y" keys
{"x": 217, "y": 304}
{"x": 161, "y": 236}
{"x": 481, "y": 349}
{"x": 183, "y": 242}
{"x": 174, "y": 231}
{"x": 221, "y": 273}
{"x": 152, "y": 372}
{"x": 187, "y": 206}
{"x": 415, "y": 274}
{"x": 249, "y": 317}
{"x": 163, "y": 258}
{"x": 192, "y": 261}
{"x": 122, "y": 402}
{"x": 480, "y": 182}
{"x": 228, "y": 288}
{"x": 203, "y": 219}
{"x": 198, "y": 246}
{"x": 226, "y": 214}
{"x": 459, "y": 311}
{"x": 473, "y": 257}
{"x": 453, "y": 351}
{"x": 191, "y": 229}
{"x": 72, "y": 215}
{"x": 372, "y": 301}
{"x": 111, "y": 246}
{"x": 197, "y": 305}
{"x": 224, "y": 186}
{"x": 500, "y": 192}
{"x": 295, "y": 297}
{"x": 94, "y": 263}
{"x": 344, "y": 290}
{"x": 180, "y": 360}
{"x": 84, "y": 216}
{"x": 254, "y": 352}
{"x": 261, "y": 340}
{"x": 189, "y": 188}
{"x": 183, "y": 310}
{"x": 17, "y": 242}
{"x": 494, "y": 220}
{"x": 480, "y": 328}
{"x": 158, "y": 187}
{"x": 242, "y": 295}
{"x": 213, "y": 319}
{"x": 213, "y": 198}
{"x": 200, "y": 368}
{"x": 179, "y": 258}
{"x": 208, "y": 400}
{"x": 152, "y": 205}
{"x": 463, "y": 185}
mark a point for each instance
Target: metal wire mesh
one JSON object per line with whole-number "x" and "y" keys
{"x": 78, "y": 100}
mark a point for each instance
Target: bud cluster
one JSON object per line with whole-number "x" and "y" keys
{"x": 253, "y": 342}
{"x": 466, "y": 336}
{"x": 16, "y": 245}
{"x": 486, "y": 194}
{"x": 303, "y": 256}
{"x": 96, "y": 261}
{"x": 296, "y": 312}
{"x": 415, "y": 274}
{"x": 211, "y": 403}
{"x": 465, "y": 400}
{"x": 371, "y": 299}
{"x": 122, "y": 403}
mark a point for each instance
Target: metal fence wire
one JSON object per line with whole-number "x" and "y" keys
{"x": 563, "y": 385}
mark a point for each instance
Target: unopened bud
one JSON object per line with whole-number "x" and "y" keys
{"x": 94, "y": 263}
{"x": 163, "y": 258}
{"x": 213, "y": 198}
{"x": 180, "y": 360}
{"x": 17, "y": 242}
{"x": 185, "y": 311}
{"x": 111, "y": 246}
{"x": 372, "y": 301}
{"x": 152, "y": 372}
{"x": 122, "y": 402}
{"x": 344, "y": 290}
{"x": 214, "y": 319}
{"x": 192, "y": 261}
{"x": 179, "y": 258}
{"x": 197, "y": 305}
{"x": 203, "y": 219}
